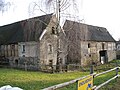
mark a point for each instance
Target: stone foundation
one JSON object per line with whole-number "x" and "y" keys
{"x": 26, "y": 63}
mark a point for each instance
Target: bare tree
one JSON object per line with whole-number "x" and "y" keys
{"x": 59, "y": 7}
{"x": 4, "y": 6}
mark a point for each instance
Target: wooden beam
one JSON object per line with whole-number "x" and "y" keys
{"x": 106, "y": 71}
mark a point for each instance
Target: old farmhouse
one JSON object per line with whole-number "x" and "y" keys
{"x": 88, "y": 44}
{"x": 35, "y": 42}
{"x": 30, "y": 43}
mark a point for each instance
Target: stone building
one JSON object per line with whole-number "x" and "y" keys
{"x": 31, "y": 43}
{"x": 118, "y": 49}
{"x": 88, "y": 44}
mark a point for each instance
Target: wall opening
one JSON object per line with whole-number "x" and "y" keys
{"x": 16, "y": 61}
{"x": 103, "y": 56}
{"x": 23, "y": 48}
{"x": 88, "y": 45}
{"x": 50, "y": 62}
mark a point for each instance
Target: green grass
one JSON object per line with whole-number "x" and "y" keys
{"x": 29, "y": 80}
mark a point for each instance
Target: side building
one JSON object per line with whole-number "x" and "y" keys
{"x": 88, "y": 44}
{"x": 118, "y": 49}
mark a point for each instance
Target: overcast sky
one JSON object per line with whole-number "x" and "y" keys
{"x": 103, "y": 13}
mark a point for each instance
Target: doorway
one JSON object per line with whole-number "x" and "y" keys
{"x": 103, "y": 56}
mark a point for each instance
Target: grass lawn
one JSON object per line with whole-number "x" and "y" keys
{"x": 29, "y": 80}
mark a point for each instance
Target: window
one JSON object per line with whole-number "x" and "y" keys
{"x": 103, "y": 45}
{"x": 88, "y": 45}
{"x": 50, "y": 62}
{"x": 89, "y": 48}
{"x": 53, "y": 30}
{"x": 23, "y": 48}
{"x": 49, "y": 48}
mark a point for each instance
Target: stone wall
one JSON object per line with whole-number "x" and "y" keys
{"x": 91, "y": 53}
{"x": 48, "y": 44}
{"x": 28, "y": 49}
{"x": 26, "y": 63}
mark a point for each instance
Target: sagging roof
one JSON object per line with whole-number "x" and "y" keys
{"x": 26, "y": 30}
{"x": 87, "y": 32}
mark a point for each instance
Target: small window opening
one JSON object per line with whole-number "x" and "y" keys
{"x": 53, "y": 30}
{"x": 16, "y": 61}
{"x": 50, "y": 62}
{"x": 88, "y": 45}
{"x": 23, "y": 55}
{"x": 23, "y": 48}
{"x": 49, "y": 48}
{"x": 103, "y": 45}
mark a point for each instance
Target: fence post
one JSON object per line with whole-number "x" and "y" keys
{"x": 91, "y": 69}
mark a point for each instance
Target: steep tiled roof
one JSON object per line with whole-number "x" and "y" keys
{"x": 87, "y": 32}
{"x": 26, "y": 30}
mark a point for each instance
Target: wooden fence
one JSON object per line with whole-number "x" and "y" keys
{"x": 94, "y": 74}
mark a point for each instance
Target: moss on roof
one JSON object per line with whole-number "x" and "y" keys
{"x": 87, "y": 32}
{"x": 26, "y": 30}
